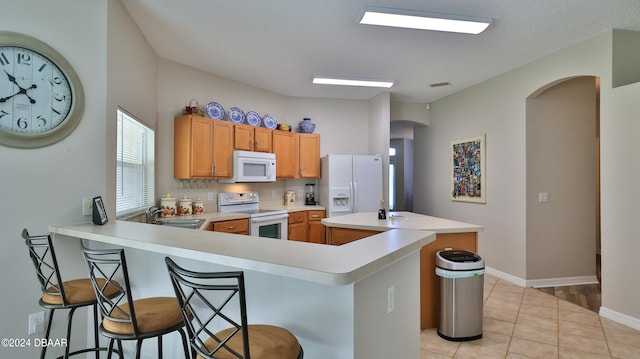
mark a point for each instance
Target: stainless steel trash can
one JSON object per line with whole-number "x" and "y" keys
{"x": 461, "y": 276}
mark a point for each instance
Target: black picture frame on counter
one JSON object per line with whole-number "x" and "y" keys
{"x": 99, "y": 213}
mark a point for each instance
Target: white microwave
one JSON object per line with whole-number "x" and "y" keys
{"x": 253, "y": 167}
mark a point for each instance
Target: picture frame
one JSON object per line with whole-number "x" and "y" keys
{"x": 99, "y": 213}
{"x": 468, "y": 169}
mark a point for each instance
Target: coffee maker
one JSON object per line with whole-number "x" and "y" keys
{"x": 311, "y": 194}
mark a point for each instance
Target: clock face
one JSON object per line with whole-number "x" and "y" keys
{"x": 35, "y": 95}
{"x": 41, "y": 97}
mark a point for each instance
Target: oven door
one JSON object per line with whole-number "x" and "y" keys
{"x": 273, "y": 226}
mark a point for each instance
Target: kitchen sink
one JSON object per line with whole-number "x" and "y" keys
{"x": 182, "y": 223}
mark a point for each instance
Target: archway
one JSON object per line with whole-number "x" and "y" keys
{"x": 562, "y": 182}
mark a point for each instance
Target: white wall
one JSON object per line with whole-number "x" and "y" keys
{"x": 45, "y": 186}
{"x": 497, "y": 107}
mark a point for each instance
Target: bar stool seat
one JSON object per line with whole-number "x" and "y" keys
{"x": 77, "y": 291}
{"x": 152, "y": 314}
{"x": 265, "y": 341}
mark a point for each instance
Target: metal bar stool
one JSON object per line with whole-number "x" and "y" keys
{"x": 124, "y": 318}
{"x": 197, "y": 292}
{"x": 59, "y": 294}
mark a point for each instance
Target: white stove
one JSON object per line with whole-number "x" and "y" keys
{"x": 262, "y": 222}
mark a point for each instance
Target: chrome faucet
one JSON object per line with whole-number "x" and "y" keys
{"x": 152, "y": 212}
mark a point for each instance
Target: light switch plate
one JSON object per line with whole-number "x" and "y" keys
{"x": 543, "y": 197}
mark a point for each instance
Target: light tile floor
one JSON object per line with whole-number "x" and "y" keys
{"x": 527, "y": 323}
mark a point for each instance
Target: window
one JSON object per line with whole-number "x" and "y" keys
{"x": 392, "y": 179}
{"x": 135, "y": 165}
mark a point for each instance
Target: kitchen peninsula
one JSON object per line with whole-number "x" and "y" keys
{"x": 449, "y": 234}
{"x": 358, "y": 300}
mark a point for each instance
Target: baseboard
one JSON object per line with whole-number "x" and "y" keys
{"x": 620, "y": 318}
{"x": 604, "y": 312}
{"x": 562, "y": 282}
{"x": 506, "y": 276}
{"x": 542, "y": 283}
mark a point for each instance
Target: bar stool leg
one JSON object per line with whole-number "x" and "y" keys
{"x": 96, "y": 339}
{"x": 44, "y": 347}
{"x": 138, "y": 347}
{"x": 69, "y": 322}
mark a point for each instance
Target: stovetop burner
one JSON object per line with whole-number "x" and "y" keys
{"x": 247, "y": 202}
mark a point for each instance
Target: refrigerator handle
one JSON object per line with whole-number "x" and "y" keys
{"x": 354, "y": 195}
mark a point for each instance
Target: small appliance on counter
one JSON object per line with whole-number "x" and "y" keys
{"x": 310, "y": 199}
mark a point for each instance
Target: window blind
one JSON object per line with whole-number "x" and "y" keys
{"x": 135, "y": 165}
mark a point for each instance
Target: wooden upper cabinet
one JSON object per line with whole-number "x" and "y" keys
{"x": 243, "y": 138}
{"x": 262, "y": 139}
{"x": 222, "y": 149}
{"x": 297, "y": 154}
{"x": 202, "y": 147}
{"x": 284, "y": 147}
{"x": 250, "y": 138}
{"x": 309, "y": 155}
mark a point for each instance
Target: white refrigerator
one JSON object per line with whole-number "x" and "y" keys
{"x": 350, "y": 183}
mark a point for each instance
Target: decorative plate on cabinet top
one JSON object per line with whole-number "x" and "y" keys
{"x": 236, "y": 115}
{"x": 253, "y": 118}
{"x": 215, "y": 110}
{"x": 270, "y": 122}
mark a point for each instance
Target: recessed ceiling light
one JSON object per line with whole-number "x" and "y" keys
{"x": 440, "y": 84}
{"x": 423, "y": 20}
{"x": 351, "y": 82}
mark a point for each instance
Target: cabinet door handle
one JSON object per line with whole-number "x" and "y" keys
{"x": 213, "y": 169}
{"x": 231, "y": 227}
{"x": 314, "y": 216}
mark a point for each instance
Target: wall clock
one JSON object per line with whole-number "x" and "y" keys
{"x": 41, "y": 97}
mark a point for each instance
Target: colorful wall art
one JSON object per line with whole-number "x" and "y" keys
{"x": 468, "y": 170}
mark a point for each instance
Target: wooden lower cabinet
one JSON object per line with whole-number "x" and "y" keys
{"x": 429, "y": 283}
{"x": 298, "y": 226}
{"x": 316, "y": 228}
{"x": 235, "y": 226}
{"x": 306, "y": 226}
{"x": 338, "y": 236}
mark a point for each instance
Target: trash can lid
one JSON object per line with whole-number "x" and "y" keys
{"x": 456, "y": 259}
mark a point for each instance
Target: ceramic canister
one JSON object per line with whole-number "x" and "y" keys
{"x": 289, "y": 197}
{"x": 168, "y": 205}
{"x": 184, "y": 206}
{"x": 198, "y": 206}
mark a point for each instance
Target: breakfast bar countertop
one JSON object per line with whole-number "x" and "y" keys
{"x": 324, "y": 264}
{"x": 399, "y": 220}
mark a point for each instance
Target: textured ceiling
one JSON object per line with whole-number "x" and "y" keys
{"x": 278, "y": 45}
